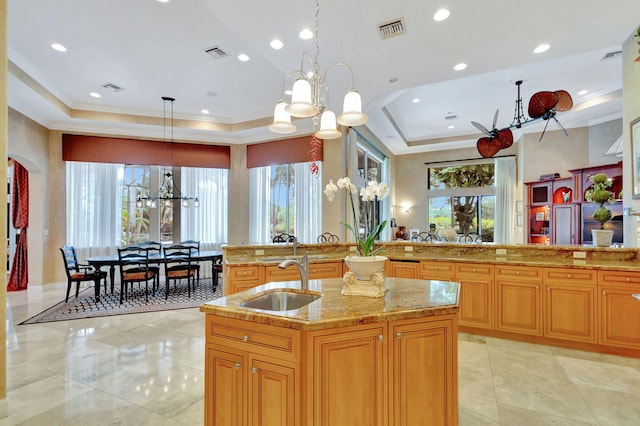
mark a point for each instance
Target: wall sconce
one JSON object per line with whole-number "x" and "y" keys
{"x": 406, "y": 207}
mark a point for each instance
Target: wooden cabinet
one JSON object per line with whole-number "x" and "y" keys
{"x": 619, "y": 311}
{"x": 239, "y": 278}
{"x": 565, "y": 228}
{"x": 252, "y": 373}
{"x": 404, "y": 269}
{"x": 518, "y": 299}
{"x": 570, "y": 304}
{"x": 348, "y": 380}
{"x": 556, "y": 220}
{"x": 443, "y": 271}
{"x": 476, "y": 294}
{"x": 423, "y": 373}
{"x": 539, "y": 193}
{"x": 325, "y": 270}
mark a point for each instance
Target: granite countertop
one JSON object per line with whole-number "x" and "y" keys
{"x": 405, "y": 299}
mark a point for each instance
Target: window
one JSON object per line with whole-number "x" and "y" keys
{"x": 370, "y": 167}
{"x": 462, "y": 196}
{"x": 285, "y": 198}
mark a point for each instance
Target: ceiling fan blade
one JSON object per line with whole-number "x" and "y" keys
{"x": 481, "y": 128}
{"x": 561, "y": 126}
{"x": 541, "y": 103}
{"x": 543, "y": 130}
{"x": 565, "y": 102}
{"x": 495, "y": 119}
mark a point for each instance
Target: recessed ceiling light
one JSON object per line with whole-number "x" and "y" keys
{"x": 542, "y": 48}
{"x": 95, "y": 94}
{"x": 163, "y": 1}
{"x": 451, "y": 127}
{"x": 583, "y": 92}
{"x": 416, "y": 100}
{"x": 460, "y": 66}
{"x": 205, "y": 111}
{"x": 276, "y": 44}
{"x": 58, "y": 47}
{"x": 306, "y": 34}
{"x": 243, "y": 57}
{"x": 441, "y": 15}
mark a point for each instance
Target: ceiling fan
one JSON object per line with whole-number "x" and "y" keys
{"x": 542, "y": 105}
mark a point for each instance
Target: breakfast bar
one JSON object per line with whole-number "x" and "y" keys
{"x": 333, "y": 359}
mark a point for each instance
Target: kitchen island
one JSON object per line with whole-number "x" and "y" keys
{"x": 338, "y": 360}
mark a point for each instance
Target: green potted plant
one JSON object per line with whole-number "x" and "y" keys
{"x": 599, "y": 193}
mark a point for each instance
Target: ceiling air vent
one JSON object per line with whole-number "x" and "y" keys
{"x": 112, "y": 87}
{"x": 216, "y": 52}
{"x": 611, "y": 55}
{"x": 451, "y": 117}
{"x": 391, "y": 28}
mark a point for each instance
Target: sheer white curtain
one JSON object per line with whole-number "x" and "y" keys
{"x": 259, "y": 205}
{"x": 94, "y": 207}
{"x": 308, "y": 221}
{"x": 505, "y": 177}
{"x": 209, "y": 222}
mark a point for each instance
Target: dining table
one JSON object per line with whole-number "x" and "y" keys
{"x": 111, "y": 261}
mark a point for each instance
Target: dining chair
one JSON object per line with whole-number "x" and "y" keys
{"x": 78, "y": 272}
{"x": 284, "y": 238}
{"x": 154, "y": 249}
{"x": 423, "y": 236}
{"x": 134, "y": 268}
{"x": 327, "y": 237}
{"x": 179, "y": 265}
{"x": 195, "y": 244}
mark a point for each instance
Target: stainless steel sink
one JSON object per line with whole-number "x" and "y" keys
{"x": 281, "y": 301}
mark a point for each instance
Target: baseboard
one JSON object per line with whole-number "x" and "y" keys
{"x": 4, "y": 408}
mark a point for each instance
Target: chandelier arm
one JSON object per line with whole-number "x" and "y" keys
{"x": 335, "y": 64}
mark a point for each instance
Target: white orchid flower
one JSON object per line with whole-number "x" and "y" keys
{"x": 382, "y": 190}
{"x": 344, "y": 183}
{"x": 367, "y": 193}
{"x": 330, "y": 190}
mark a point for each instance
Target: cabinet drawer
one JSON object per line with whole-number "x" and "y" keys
{"x": 439, "y": 267}
{"x": 567, "y": 275}
{"x": 244, "y": 273}
{"x": 474, "y": 268}
{"x": 282, "y": 343}
{"x": 618, "y": 277}
{"x": 325, "y": 270}
{"x": 519, "y": 272}
{"x": 273, "y": 273}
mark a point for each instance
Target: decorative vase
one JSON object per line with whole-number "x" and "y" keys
{"x": 401, "y": 233}
{"x": 365, "y": 276}
{"x": 602, "y": 237}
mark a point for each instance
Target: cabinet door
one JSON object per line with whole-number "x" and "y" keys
{"x": 423, "y": 376}
{"x": 619, "y": 311}
{"x": 518, "y": 299}
{"x": 565, "y": 224}
{"x": 272, "y": 394}
{"x": 404, "y": 269}
{"x": 349, "y": 376}
{"x": 224, "y": 390}
{"x": 443, "y": 271}
{"x": 325, "y": 270}
{"x": 242, "y": 278}
{"x": 476, "y": 295}
{"x": 274, "y": 274}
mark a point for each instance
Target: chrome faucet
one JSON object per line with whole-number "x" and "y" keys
{"x": 295, "y": 244}
{"x": 303, "y": 268}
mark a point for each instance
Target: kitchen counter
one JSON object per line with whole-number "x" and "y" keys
{"x": 405, "y": 299}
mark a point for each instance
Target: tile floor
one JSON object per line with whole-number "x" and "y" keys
{"x": 148, "y": 369}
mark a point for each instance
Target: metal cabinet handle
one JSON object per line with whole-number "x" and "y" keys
{"x": 537, "y": 288}
{"x": 568, "y": 275}
{"x": 437, "y": 268}
{"x": 245, "y": 338}
{"x": 473, "y": 270}
{"x": 604, "y": 293}
{"x": 237, "y": 366}
{"x": 628, "y": 279}
{"x": 254, "y": 370}
{"x": 380, "y": 337}
{"x": 399, "y": 335}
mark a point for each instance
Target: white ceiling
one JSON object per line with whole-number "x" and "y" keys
{"x": 154, "y": 49}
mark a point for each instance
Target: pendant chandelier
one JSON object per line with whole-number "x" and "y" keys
{"x": 168, "y": 192}
{"x": 309, "y": 95}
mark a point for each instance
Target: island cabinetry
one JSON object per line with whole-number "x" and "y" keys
{"x": 476, "y": 294}
{"x": 347, "y": 380}
{"x": 518, "y": 299}
{"x": 316, "y": 271}
{"x": 252, "y": 374}
{"x": 570, "y": 304}
{"x": 241, "y": 278}
{"x": 423, "y": 373}
{"x": 619, "y": 311}
{"x": 443, "y": 271}
{"x": 404, "y": 269}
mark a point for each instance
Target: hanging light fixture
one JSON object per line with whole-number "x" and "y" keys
{"x": 168, "y": 192}
{"x": 309, "y": 91}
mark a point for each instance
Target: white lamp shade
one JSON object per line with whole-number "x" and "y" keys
{"x": 352, "y": 110}
{"x": 301, "y": 105}
{"x": 281, "y": 120}
{"x": 328, "y": 126}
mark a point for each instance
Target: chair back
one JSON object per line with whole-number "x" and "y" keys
{"x": 284, "y": 238}
{"x": 328, "y": 237}
{"x": 153, "y": 248}
{"x": 134, "y": 263}
{"x": 179, "y": 257}
{"x": 422, "y": 237}
{"x": 70, "y": 260}
{"x": 191, "y": 243}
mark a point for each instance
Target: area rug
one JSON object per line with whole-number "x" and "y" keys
{"x": 85, "y": 306}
